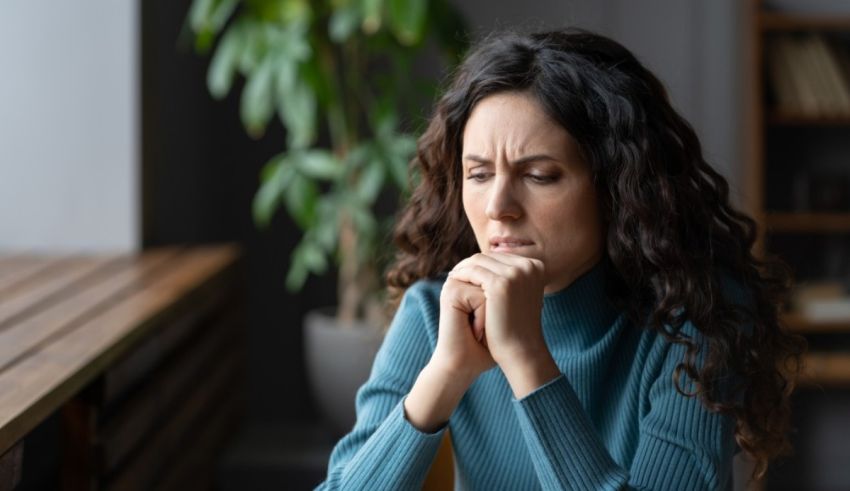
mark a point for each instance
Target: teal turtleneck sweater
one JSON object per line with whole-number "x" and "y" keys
{"x": 612, "y": 420}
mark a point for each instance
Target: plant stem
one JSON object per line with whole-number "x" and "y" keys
{"x": 343, "y": 121}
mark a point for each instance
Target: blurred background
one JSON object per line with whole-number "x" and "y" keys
{"x": 284, "y": 127}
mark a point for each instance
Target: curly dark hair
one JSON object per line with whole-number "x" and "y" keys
{"x": 669, "y": 224}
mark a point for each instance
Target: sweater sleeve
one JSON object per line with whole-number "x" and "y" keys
{"x": 681, "y": 445}
{"x": 383, "y": 450}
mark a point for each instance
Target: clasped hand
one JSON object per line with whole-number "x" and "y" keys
{"x": 490, "y": 310}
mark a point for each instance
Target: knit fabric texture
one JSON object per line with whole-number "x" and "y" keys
{"x": 612, "y": 419}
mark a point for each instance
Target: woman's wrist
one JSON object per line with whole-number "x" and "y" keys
{"x": 434, "y": 396}
{"x": 527, "y": 370}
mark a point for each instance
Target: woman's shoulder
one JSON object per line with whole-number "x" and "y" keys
{"x": 419, "y": 309}
{"x": 427, "y": 289}
{"x": 424, "y": 294}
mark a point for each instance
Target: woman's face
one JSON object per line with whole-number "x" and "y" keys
{"x": 526, "y": 189}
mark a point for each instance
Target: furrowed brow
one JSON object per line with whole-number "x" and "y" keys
{"x": 519, "y": 161}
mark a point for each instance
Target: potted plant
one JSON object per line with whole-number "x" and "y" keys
{"x": 340, "y": 68}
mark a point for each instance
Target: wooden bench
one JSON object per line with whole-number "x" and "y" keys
{"x": 139, "y": 356}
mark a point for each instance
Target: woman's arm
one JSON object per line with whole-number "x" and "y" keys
{"x": 681, "y": 444}
{"x": 405, "y": 405}
{"x": 383, "y": 450}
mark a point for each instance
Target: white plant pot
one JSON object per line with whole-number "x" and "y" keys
{"x": 338, "y": 361}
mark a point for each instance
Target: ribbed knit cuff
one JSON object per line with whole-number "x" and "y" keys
{"x": 398, "y": 456}
{"x": 562, "y": 441}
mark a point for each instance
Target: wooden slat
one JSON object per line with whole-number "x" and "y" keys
{"x": 827, "y": 369}
{"x": 26, "y": 269}
{"x": 792, "y": 119}
{"x": 11, "y": 464}
{"x": 78, "y": 461}
{"x": 12, "y": 261}
{"x": 39, "y": 383}
{"x": 779, "y": 21}
{"x": 17, "y": 340}
{"x": 196, "y": 470}
{"x": 74, "y": 273}
{"x": 798, "y": 323}
{"x": 149, "y": 407}
{"x": 808, "y": 222}
{"x": 130, "y": 370}
{"x": 163, "y": 446}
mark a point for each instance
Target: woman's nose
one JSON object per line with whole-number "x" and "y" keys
{"x": 502, "y": 203}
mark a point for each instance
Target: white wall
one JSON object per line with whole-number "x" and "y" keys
{"x": 69, "y": 125}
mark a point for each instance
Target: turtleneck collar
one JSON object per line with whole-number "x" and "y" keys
{"x": 580, "y": 314}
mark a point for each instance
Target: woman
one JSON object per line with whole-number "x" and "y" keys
{"x": 580, "y": 305}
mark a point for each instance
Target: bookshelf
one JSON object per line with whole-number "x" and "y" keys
{"x": 797, "y": 175}
{"x": 782, "y": 21}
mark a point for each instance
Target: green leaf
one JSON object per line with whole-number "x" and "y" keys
{"x": 225, "y": 62}
{"x": 284, "y": 11}
{"x": 256, "y": 106}
{"x": 253, "y": 46}
{"x": 359, "y": 156}
{"x": 407, "y": 20}
{"x": 343, "y": 22}
{"x": 371, "y": 15}
{"x": 307, "y": 257}
{"x": 204, "y": 40}
{"x": 297, "y": 108}
{"x": 297, "y": 274}
{"x": 275, "y": 178}
{"x": 319, "y": 164}
{"x": 222, "y": 11}
{"x": 327, "y": 224}
{"x": 199, "y": 13}
{"x": 313, "y": 257}
{"x": 301, "y": 197}
{"x": 206, "y": 18}
{"x": 290, "y": 40}
{"x": 370, "y": 181}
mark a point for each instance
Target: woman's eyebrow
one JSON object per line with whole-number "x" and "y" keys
{"x": 520, "y": 161}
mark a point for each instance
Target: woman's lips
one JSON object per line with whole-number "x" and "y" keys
{"x": 509, "y": 244}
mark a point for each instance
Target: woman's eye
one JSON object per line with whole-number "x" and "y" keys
{"x": 478, "y": 177}
{"x": 540, "y": 179}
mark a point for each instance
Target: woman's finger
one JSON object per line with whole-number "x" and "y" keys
{"x": 476, "y": 275}
{"x": 515, "y": 259}
{"x": 491, "y": 263}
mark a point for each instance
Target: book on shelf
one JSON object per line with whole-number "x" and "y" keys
{"x": 809, "y": 75}
{"x": 821, "y": 301}
{"x": 836, "y": 310}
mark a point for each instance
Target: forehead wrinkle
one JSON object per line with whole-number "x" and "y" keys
{"x": 512, "y": 126}
{"x": 512, "y": 147}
